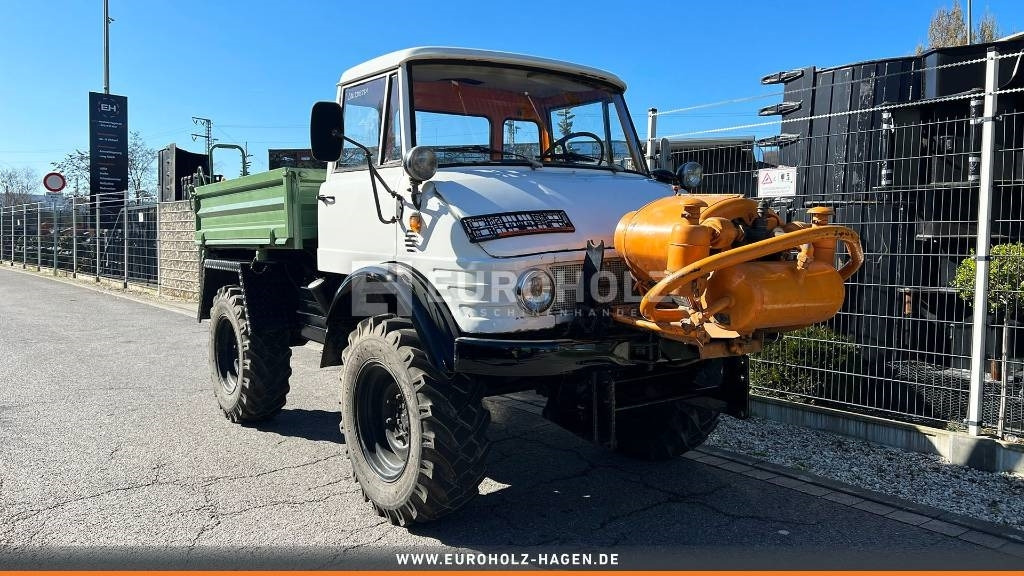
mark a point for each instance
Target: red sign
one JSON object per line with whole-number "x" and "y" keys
{"x": 54, "y": 182}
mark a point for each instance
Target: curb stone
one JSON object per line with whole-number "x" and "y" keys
{"x": 981, "y": 532}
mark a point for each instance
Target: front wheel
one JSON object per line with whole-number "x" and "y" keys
{"x": 416, "y": 439}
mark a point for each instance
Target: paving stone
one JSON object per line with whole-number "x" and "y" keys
{"x": 813, "y": 490}
{"x": 843, "y": 498}
{"x": 712, "y": 460}
{"x": 944, "y": 527}
{"x": 1014, "y": 549}
{"x": 735, "y": 467}
{"x": 760, "y": 474}
{"x": 982, "y": 539}
{"x": 787, "y": 482}
{"x": 874, "y": 507}
{"x": 908, "y": 517}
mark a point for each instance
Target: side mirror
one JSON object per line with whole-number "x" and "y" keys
{"x": 326, "y": 127}
{"x": 665, "y": 176}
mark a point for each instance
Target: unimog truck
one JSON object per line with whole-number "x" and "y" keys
{"x": 487, "y": 224}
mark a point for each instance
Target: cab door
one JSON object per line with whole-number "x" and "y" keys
{"x": 356, "y": 227}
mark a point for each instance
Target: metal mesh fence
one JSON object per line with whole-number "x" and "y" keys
{"x": 906, "y": 178}
{"x": 63, "y": 236}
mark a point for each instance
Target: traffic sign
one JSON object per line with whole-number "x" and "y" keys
{"x": 54, "y": 182}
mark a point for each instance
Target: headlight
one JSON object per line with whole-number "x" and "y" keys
{"x": 421, "y": 163}
{"x": 690, "y": 174}
{"x": 535, "y": 290}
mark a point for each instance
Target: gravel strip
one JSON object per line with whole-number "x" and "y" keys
{"x": 923, "y": 478}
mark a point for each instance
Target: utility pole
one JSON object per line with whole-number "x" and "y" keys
{"x": 246, "y": 164}
{"x": 106, "y": 47}
{"x": 970, "y": 23}
{"x": 207, "y": 135}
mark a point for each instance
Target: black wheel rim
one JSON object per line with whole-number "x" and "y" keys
{"x": 382, "y": 421}
{"x": 226, "y": 346}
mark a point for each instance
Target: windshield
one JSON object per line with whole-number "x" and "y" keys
{"x": 489, "y": 113}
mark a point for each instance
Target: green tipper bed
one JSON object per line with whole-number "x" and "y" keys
{"x": 275, "y": 209}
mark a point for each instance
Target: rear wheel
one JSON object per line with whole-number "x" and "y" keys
{"x": 249, "y": 369}
{"x": 416, "y": 439}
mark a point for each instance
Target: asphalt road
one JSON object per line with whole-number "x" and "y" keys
{"x": 113, "y": 453}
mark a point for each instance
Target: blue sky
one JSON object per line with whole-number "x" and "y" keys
{"x": 255, "y": 67}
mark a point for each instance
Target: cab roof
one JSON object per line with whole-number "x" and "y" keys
{"x": 396, "y": 59}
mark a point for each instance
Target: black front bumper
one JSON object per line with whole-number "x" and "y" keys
{"x": 537, "y": 357}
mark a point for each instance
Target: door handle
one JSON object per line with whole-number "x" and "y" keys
{"x": 327, "y": 200}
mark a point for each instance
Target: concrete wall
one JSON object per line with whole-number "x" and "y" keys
{"x": 977, "y": 452}
{"x": 179, "y": 255}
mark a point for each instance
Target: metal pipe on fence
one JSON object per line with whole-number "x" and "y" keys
{"x": 984, "y": 244}
{"x": 74, "y": 239}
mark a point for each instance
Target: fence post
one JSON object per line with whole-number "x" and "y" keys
{"x": 12, "y": 235}
{"x": 982, "y": 256}
{"x": 159, "y": 272}
{"x": 39, "y": 236}
{"x": 24, "y": 236}
{"x": 96, "y": 237}
{"x": 74, "y": 237}
{"x": 55, "y": 237}
{"x": 124, "y": 222}
{"x": 652, "y": 132}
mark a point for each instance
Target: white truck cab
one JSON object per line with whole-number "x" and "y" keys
{"x": 534, "y": 158}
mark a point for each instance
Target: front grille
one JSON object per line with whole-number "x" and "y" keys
{"x": 567, "y": 280}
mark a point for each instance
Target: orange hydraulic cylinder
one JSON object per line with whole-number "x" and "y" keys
{"x": 776, "y": 295}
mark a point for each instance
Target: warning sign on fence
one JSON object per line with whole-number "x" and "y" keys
{"x": 774, "y": 182}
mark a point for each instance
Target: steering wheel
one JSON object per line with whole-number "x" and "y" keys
{"x": 566, "y": 152}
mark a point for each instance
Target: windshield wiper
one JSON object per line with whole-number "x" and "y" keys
{"x": 476, "y": 149}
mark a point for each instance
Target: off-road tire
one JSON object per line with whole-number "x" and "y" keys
{"x": 445, "y": 425}
{"x": 250, "y": 369}
{"x": 663, "y": 431}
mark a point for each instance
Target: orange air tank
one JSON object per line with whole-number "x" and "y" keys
{"x": 776, "y": 295}
{"x": 658, "y": 237}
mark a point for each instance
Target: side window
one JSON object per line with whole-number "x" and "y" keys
{"x": 522, "y": 137}
{"x": 393, "y": 128}
{"x": 363, "y": 106}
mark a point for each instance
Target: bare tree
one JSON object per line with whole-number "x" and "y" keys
{"x": 141, "y": 173}
{"x": 949, "y": 28}
{"x": 17, "y": 185}
{"x": 141, "y": 176}
{"x": 75, "y": 168}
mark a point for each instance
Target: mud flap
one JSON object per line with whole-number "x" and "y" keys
{"x": 735, "y": 387}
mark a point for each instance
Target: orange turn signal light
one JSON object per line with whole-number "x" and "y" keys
{"x": 416, "y": 222}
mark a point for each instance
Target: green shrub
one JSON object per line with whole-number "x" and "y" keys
{"x": 1005, "y": 277}
{"x": 804, "y": 362}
